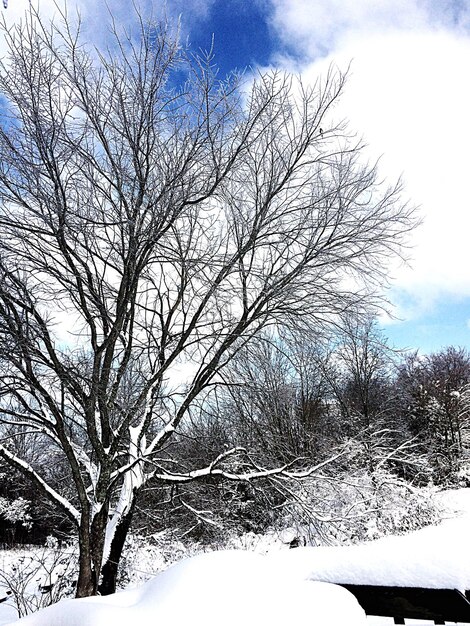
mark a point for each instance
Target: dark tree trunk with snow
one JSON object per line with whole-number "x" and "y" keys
{"x": 110, "y": 568}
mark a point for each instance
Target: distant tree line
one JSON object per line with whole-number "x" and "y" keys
{"x": 293, "y": 397}
{"x": 350, "y": 398}
{"x": 401, "y": 414}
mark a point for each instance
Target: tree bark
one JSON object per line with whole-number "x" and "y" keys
{"x": 85, "y": 583}
{"x": 110, "y": 568}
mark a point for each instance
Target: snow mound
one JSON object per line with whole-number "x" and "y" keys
{"x": 436, "y": 557}
{"x": 227, "y": 587}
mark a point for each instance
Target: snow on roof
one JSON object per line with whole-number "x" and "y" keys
{"x": 436, "y": 557}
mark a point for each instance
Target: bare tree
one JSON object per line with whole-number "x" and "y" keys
{"x": 154, "y": 219}
{"x": 363, "y": 378}
{"x": 276, "y": 398}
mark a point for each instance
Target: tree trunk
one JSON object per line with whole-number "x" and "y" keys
{"x": 91, "y": 542}
{"x": 85, "y": 584}
{"x": 110, "y": 568}
{"x": 97, "y": 541}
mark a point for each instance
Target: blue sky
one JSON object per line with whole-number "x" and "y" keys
{"x": 447, "y": 323}
{"x": 242, "y": 35}
{"x": 408, "y": 95}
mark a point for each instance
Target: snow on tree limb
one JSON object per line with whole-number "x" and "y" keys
{"x": 255, "y": 473}
{"x": 25, "y": 468}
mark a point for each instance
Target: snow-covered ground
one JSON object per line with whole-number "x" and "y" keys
{"x": 229, "y": 587}
{"x": 283, "y": 587}
{"x": 433, "y": 557}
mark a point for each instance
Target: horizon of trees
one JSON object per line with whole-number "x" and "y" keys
{"x": 404, "y": 414}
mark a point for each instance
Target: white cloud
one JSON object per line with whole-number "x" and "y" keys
{"x": 317, "y": 27}
{"x": 409, "y": 95}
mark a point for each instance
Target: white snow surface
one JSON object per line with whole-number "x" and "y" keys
{"x": 284, "y": 587}
{"x": 436, "y": 557}
{"x": 226, "y": 587}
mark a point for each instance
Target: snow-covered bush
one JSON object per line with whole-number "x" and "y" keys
{"x": 145, "y": 556}
{"x": 358, "y": 507}
{"x": 15, "y": 519}
{"x": 15, "y": 511}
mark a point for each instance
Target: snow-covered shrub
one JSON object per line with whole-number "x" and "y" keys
{"x": 145, "y": 556}
{"x": 15, "y": 511}
{"x": 15, "y": 519}
{"x": 358, "y": 507}
{"x": 26, "y": 516}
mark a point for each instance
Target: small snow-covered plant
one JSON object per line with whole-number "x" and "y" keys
{"x": 145, "y": 556}
{"x": 15, "y": 511}
{"x": 41, "y": 577}
{"x": 401, "y": 507}
{"x": 141, "y": 559}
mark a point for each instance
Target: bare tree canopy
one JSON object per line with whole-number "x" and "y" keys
{"x": 153, "y": 220}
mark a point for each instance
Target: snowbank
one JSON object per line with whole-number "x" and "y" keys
{"x": 436, "y": 557}
{"x": 228, "y": 587}
{"x": 284, "y": 587}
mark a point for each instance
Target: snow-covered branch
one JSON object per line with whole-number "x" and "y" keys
{"x": 51, "y": 493}
{"x": 251, "y": 471}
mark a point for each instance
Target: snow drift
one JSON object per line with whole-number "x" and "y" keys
{"x": 436, "y": 557}
{"x": 227, "y": 587}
